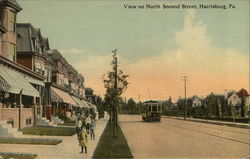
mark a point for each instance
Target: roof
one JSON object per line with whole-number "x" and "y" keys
{"x": 151, "y": 101}
{"x": 196, "y": 97}
{"x": 11, "y": 3}
{"x": 26, "y": 31}
{"x": 230, "y": 93}
{"x": 24, "y": 37}
{"x": 242, "y": 93}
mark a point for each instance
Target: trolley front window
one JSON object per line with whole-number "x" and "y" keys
{"x": 155, "y": 108}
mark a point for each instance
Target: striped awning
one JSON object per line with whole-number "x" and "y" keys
{"x": 79, "y": 102}
{"x": 4, "y": 86}
{"x": 85, "y": 104}
{"x": 64, "y": 96}
{"x": 14, "y": 82}
{"x": 92, "y": 106}
{"x": 34, "y": 81}
{"x": 55, "y": 97}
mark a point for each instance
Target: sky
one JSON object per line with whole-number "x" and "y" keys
{"x": 155, "y": 46}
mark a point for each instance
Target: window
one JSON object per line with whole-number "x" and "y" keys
{"x": 154, "y": 108}
{"x": 12, "y": 21}
{"x": 149, "y": 108}
{"x": 28, "y": 121}
{"x": 11, "y": 51}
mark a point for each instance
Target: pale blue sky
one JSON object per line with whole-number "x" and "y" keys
{"x": 100, "y": 26}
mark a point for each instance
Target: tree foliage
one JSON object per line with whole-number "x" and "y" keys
{"x": 115, "y": 83}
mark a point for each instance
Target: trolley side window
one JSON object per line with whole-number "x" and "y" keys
{"x": 155, "y": 108}
{"x": 143, "y": 108}
{"x": 149, "y": 108}
{"x": 159, "y": 108}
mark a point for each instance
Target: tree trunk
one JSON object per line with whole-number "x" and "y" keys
{"x": 114, "y": 122}
{"x": 110, "y": 118}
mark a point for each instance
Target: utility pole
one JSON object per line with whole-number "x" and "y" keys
{"x": 185, "y": 79}
{"x": 115, "y": 108}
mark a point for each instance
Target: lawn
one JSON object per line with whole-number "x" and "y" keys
{"x": 36, "y": 141}
{"x": 49, "y": 131}
{"x": 9, "y": 155}
{"x": 68, "y": 123}
{"x": 112, "y": 147}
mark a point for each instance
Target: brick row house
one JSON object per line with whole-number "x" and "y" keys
{"x": 36, "y": 82}
{"x": 17, "y": 83}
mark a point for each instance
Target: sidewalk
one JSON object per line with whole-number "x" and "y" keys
{"x": 240, "y": 125}
{"x": 67, "y": 149}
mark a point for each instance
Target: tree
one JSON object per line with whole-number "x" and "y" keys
{"x": 131, "y": 106}
{"x": 100, "y": 106}
{"x": 115, "y": 83}
{"x": 212, "y": 105}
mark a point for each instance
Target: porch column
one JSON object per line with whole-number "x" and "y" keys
{"x": 20, "y": 110}
{"x": 48, "y": 112}
{"x": 35, "y": 110}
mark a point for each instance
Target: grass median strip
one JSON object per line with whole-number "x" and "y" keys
{"x": 112, "y": 147}
{"x": 49, "y": 131}
{"x": 17, "y": 155}
{"x": 35, "y": 141}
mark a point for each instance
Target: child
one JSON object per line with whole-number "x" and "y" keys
{"x": 83, "y": 140}
{"x": 92, "y": 129}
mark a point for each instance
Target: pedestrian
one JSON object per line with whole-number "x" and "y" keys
{"x": 83, "y": 140}
{"x": 92, "y": 129}
{"x": 88, "y": 121}
{"x": 78, "y": 125}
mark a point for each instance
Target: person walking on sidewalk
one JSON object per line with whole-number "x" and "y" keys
{"x": 78, "y": 125}
{"x": 92, "y": 129}
{"x": 83, "y": 140}
{"x": 88, "y": 121}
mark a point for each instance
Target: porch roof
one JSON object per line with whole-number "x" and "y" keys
{"x": 79, "y": 102}
{"x": 85, "y": 103}
{"x": 55, "y": 97}
{"x": 64, "y": 96}
{"x": 14, "y": 82}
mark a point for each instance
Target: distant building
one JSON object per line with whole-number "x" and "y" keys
{"x": 196, "y": 101}
{"x": 235, "y": 99}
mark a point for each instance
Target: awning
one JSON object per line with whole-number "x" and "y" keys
{"x": 92, "y": 106}
{"x": 85, "y": 104}
{"x": 64, "y": 96}
{"x": 16, "y": 82}
{"x": 55, "y": 97}
{"x": 79, "y": 102}
{"x": 4, "y": 86}
{"x": 34, "y": 81}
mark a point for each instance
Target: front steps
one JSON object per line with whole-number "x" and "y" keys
{"x": 42, "y": 121}
{"x": 56, "y": 120}
{"x": 6, "y": 130}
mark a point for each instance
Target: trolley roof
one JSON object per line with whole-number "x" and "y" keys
{"x": 151, "y": 102}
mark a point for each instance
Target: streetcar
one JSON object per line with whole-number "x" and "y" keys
{"x": 151, "y": 111}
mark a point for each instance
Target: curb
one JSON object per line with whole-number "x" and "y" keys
{"x": 213, "y": 122}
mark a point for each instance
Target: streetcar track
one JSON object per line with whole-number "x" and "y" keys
{"x": 218, "y": 136}
{"x": 199, "y": 125}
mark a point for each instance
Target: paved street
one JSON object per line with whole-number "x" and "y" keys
{"x": 68, "y": 149}
{"x": 183, "y": 139}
